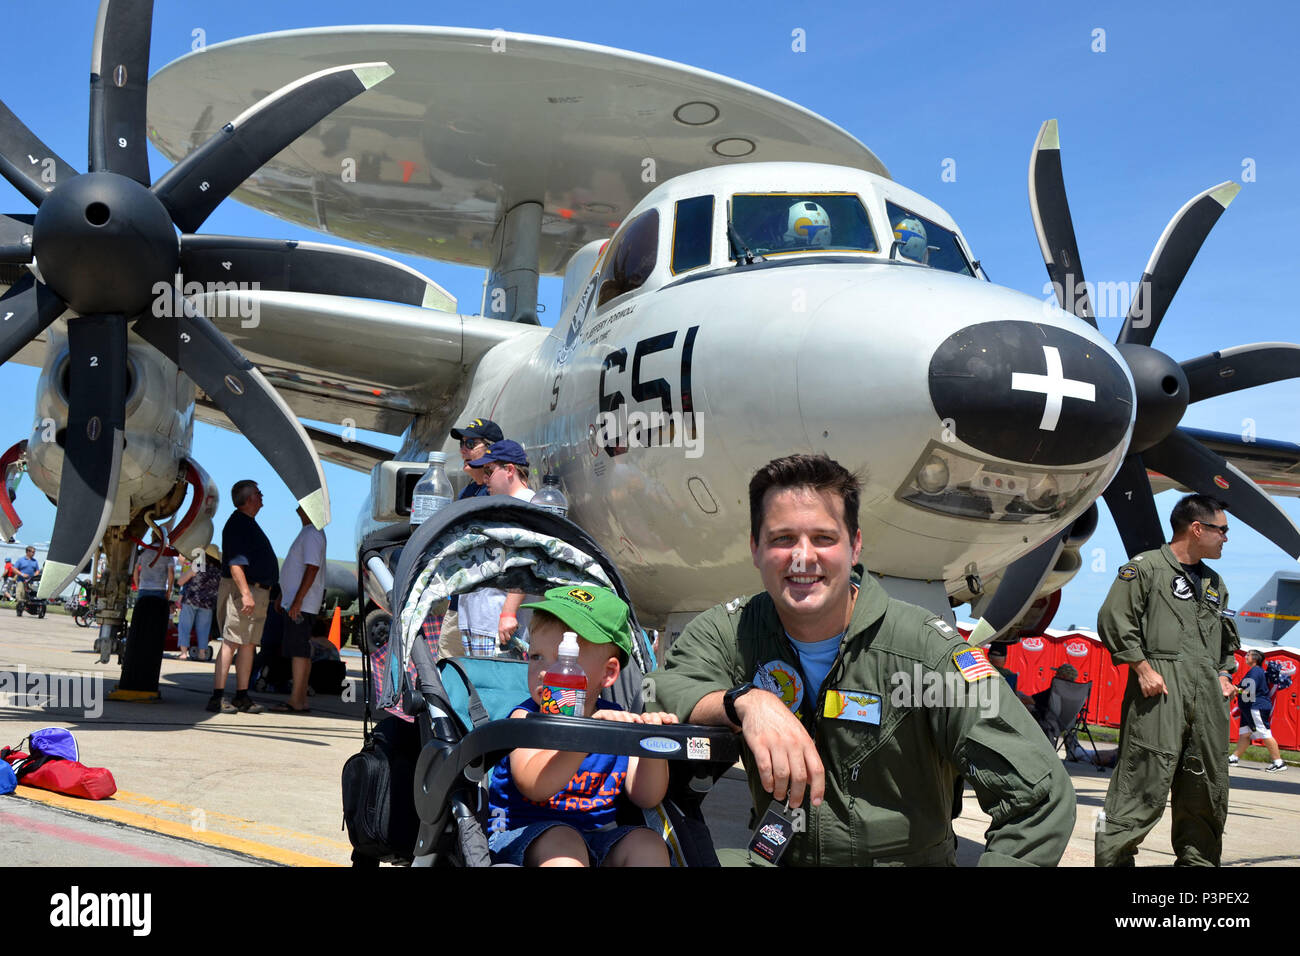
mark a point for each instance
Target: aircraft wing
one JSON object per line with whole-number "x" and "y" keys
{"x": 1273, "y": 465}
{"x": 369, "y": 364}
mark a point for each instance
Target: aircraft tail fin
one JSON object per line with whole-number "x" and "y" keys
{"x": 1272, "y": 611}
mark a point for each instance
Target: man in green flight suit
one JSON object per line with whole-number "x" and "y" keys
{"x": 870, "y": 707}
{"x": 1164, "y": 618}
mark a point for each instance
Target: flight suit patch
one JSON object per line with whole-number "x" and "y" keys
{"x": 855, "y": 705}
{"x": 1182, "y": 588}
{"x": 973, "y": 664}
{"x": 1128, "y": 572}
{"x": 783, "y": 680}
{"x": 1211, "y": 595}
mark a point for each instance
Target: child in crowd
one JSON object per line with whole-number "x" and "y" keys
{"x": 536, "y": 794}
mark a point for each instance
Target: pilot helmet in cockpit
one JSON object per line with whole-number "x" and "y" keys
{"x": 911, "y": 233}
{"x": 807, "y": 226}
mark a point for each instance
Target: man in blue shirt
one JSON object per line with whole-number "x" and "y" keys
{"x": 26, "y": 566}
{"x": 1255, "y": 702}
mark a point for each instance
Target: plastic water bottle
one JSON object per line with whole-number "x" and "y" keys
{"x": 564, "y": 690}
{"x": 432, "y": 492}
{"x": 551, "y": 498}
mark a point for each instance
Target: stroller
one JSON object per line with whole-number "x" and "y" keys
{"x": 458, "y": 707}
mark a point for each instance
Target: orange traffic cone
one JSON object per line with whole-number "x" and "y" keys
{"x": 336, "y": 629}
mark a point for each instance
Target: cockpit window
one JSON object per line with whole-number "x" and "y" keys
{"x": 632, "y": 257}
{"x": 692, "y": 233}
{"x": 927, "y": 242}
{"x": 775, "y": 223}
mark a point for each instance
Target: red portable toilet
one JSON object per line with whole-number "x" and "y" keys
{"x": 1035, "y": 658}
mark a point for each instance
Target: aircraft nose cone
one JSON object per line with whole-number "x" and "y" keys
{"x": 1030, "y": 392}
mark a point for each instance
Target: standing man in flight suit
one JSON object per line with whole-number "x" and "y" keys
{"x": 1164, "y": 618}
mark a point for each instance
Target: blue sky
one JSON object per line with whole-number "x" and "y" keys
{"x": 1183, "y": 96}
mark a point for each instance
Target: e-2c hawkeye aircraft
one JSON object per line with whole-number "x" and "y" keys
{"x": 742, "y": 280}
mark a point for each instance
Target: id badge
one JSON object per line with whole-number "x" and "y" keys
{"x": 772, "y": 836}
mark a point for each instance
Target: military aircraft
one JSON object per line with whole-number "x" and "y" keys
{"x": 742, "y": 279}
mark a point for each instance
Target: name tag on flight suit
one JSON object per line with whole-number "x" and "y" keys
{"x": 855, "y": 705}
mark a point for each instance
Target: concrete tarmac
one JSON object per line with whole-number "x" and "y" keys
{"x": 196, "y": 788}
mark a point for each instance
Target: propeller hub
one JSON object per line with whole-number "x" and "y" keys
{"x": 103, "y": 242}
{"x": 1162, "y": 393}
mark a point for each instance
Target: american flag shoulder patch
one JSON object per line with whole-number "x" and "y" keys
{"x": 973, "y": 664}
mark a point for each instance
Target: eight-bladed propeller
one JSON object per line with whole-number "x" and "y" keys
{"x": 100, "y": 244}
{"x": 1163, "y": 387}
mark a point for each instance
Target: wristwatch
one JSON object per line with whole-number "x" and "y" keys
{"x": 729, "y": 701}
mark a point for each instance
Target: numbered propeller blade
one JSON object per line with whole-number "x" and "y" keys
{"x": 1243, "y": 366}
{"x": 1019, "y": 586}
{"x": 1055, "y": 228}
{"x": 237, "y": 388}
{"x": 119, "y": 79}
{"x": 1170, "y": 260}
{"x": 1133, "y": 507}
{"x": 1184, "y": 459}
{"x": 26, "y": 311}
{"x": 287, "y": 266}
{"x": 31, "y": 167}
{"x": 92, "y": 448}
{"x": 197, "y": 184}
{"x": 16, "y": 239}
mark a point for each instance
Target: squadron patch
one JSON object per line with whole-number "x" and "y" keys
{"x": 1182, "y": 588}
{"x": 1211, "y": 595}
{"x": 783, "y": 680}
{"x": 1128, "y": 572}
{"x": 973, "y": 664}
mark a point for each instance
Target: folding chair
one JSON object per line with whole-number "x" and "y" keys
{"x": 1064, "y": 719}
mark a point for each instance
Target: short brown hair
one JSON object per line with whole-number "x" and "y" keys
{"x": 818, "y": 472}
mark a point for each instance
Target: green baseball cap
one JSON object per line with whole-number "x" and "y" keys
{"x": 594, "y": 614}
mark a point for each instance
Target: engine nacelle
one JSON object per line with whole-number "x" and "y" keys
{"x": 159, "y": 425}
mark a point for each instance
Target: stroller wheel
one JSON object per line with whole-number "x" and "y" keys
{"x": 40, "y": 611}
{"x": 260, "y": 685}
{"x": 20, "y": 609}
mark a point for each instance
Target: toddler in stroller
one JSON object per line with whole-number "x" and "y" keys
{"x": 459, "y": 708}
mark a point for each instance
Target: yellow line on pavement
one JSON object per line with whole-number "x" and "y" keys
{"x": 114, "y": 811}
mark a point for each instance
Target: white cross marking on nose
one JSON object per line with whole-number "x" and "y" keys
{"x": 1055, "y": 386}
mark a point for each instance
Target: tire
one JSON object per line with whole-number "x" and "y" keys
{"x": 40, "y": 612}
{"x": 105, "y": 647}
{"x": 20, "y": 609}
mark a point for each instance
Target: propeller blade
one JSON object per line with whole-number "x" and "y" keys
{"x": 1243, "y": 366}
{"x": 1184, "y": 459}
{"x": 1055, "y": 228}
{"x": 92, "y": 450}
{"x": 237, "y": 388}
{"x": 31, "y": 167}
{"x": 1170, "y": 260}
{"x": 1133, "y": 506}
{"x": 289, "y": 266}
{"x": 26, "y": 311}
{"x": 16, "y": 239}
{"x": 119, "y": 88}
{"x": 197, "y": 184}
{"x": 1018, "y": 588}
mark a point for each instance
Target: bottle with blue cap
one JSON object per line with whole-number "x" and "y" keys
{"x": 432, "y": 492}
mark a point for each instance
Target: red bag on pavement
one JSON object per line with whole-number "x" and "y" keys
{"x": 70, "y": 777}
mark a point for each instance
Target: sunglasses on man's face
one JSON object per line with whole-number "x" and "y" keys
{"x": 1221, "y": 528}
{"x": 471, "y": 442}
